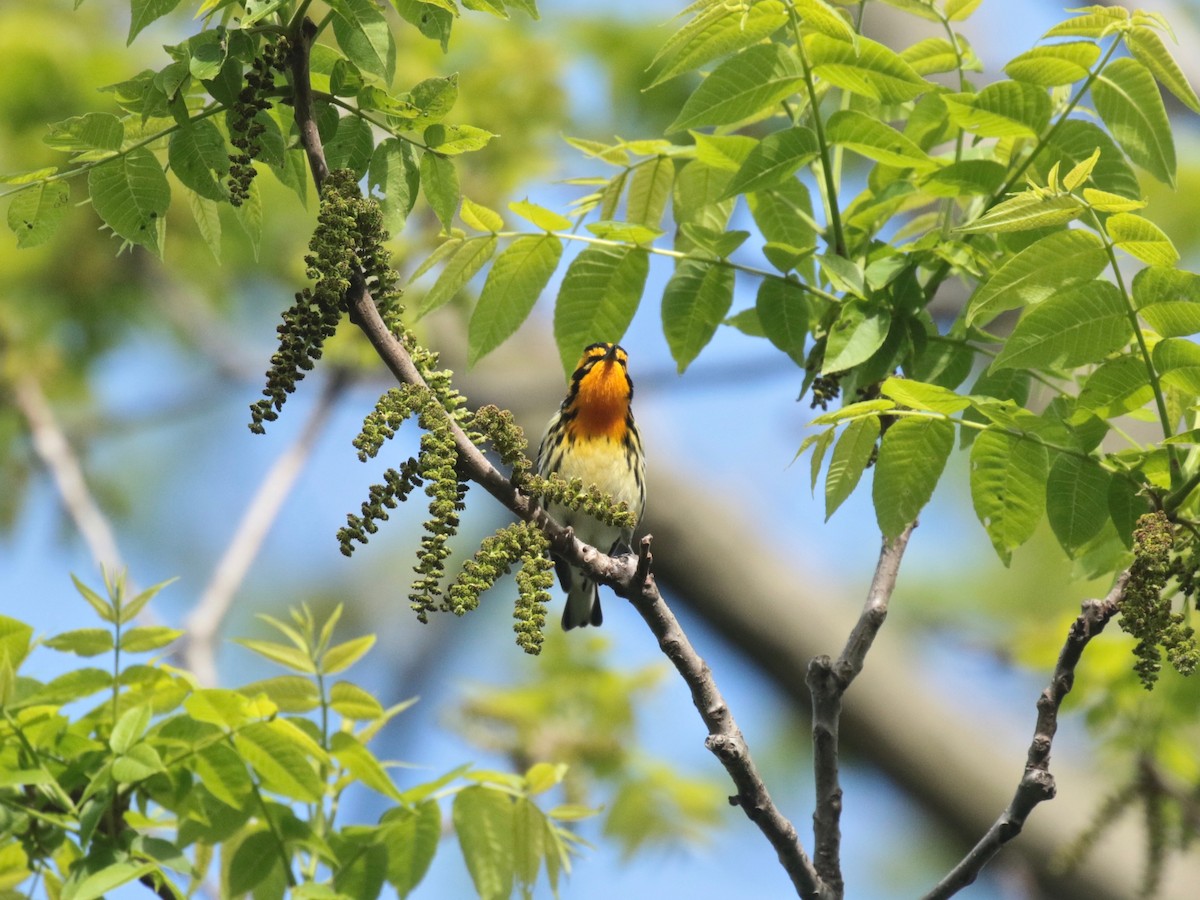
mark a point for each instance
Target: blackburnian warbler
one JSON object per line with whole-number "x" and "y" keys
{"x": 592, "y": 437}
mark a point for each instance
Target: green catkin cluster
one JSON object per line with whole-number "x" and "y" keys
{"x": 825, "y": 388}
{"x": 573, "y": 495}
{"x": 245, "y": 132}
{"x": 497, "y": 426}
{"x": 397, "y": 485}
{"x": 1145, "y": 613}
{"x": 346, "y": 244}
{"x": 380, "y": 425}
{"x": 446, "y": 491}
{"x": 517, "y": 543}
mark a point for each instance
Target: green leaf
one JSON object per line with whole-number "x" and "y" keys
{"x": 859, "y": 330}
{"x": 143, "y": 12}
{"x": 82, "y": 642}
{"x": 134, "y": 605}
{"x": 351, "y": 146}
{"x": 1078, "y": 325}
{"x": 464, "y": 263}
{"x": 291, "y": 657}
{"x": 351, "y": 702}
{"x": 714, "y": 32}
{"x": 853, "y": 451}
{"x": 253, "y": 861}
{"x": 1178, "y": 364}
{"x": 97, "y": 884}
{"x": 1169, "y": 299}
{"x": 599, "y": 294}
{"x": 342, "y": 656}
{"x": 912, "y": 454}
{"x": 517, "y": 279}
{"x": 93, "y": 131}
{"x": 1127, "y": 99}
{"x": 131, "y": 194}
{"x": 102, "y": 606}
{"x": 139, "y": 762}
{"x": 530, "y": 829}
{"x": 224, "y": 773}
{"x": 1126, "y": 505}
{"x": 130, "y": 728}
{"x": 649, "y": 189}
{"x": 411, "y": 835}
{"x": 1103, "y": 201}
{"x": 1054, "y": 64}
{"x": 1076, "y": 500}
{"x": 624, "y": 232}
{"x": 1025, "y": 212}
{"x": 774, "y": 159}
{"x": 970, "y": 176}
{"x": 1116, "y": 387}
{"x": 1148, "y": 48}
{"x": 362, "y": 764}
{"x": 483, "y": 821}
{"x": 1057, "y": 261}
{"x": 695, "y": 301}
{"x": 282, "y": 765}
{"x": 395, "y": 172}
{"x": 543, "y": 218}
{"x": 931, "y": 56}
{"x": 741, "y": 87}
{"x": 869, "y": 137}
{"x": 698, "y": 200}
{"x": 783, "y": 313}
{"x": 1141, "y": 239}
{"x": 1094, "y": 23}
{"x": 363, "y": 34}
{"x": 217, "y": 706}
{"x": 864, "y": 67}
{"x": 453, "y": 140}
{"x": 200, "y": 159}
{"x": 148, "y": 637}
{"x": 919, "y": 395}
{"x": 480, "y": 217}
{"x": 1002, "y": 109}
{"x": 290, "y": 693}
{"x": 439, "y": 181}
{"x": 784, "y": 216}
{"x": 1008, "y": 487}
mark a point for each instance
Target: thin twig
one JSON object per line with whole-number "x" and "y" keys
{"x": 629, "y": 577}
{"x": 1037, "y": 784}
{"x": 827, "y": 682}
{"x": 55, "y": 453}
{"x": 725, "y": 739}
{"x": 204, "y": 622}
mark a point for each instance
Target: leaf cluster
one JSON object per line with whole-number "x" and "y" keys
{"x": 155, "y": 778}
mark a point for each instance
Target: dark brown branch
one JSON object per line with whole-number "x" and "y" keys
{"x": 827, "y": 683}
{"x": 725, "y": 739}
{"x": 629, "y": 577}
{"x": 1037, "y": 783}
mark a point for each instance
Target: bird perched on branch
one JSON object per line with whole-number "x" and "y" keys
{"x": 592, "y": 437}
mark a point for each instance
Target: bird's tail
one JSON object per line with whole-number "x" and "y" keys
{"x": 583, "y": 604}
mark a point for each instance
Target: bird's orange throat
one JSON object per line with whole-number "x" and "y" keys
{"x": 602, "y": 403}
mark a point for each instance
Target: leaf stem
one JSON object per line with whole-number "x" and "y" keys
{"x": 827, "y": 171}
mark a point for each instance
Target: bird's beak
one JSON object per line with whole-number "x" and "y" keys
{"x": 611, "y": 354}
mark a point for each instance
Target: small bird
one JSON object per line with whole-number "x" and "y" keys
{"x": 592, "y": 437}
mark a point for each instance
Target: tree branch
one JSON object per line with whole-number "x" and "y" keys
{"x": 53, "y": 449}
{"x": 628, "y": 577}
{"x": 725, "y": 739}
{"x": 204, "y": 622}
{"x": 827, "y": 682}
{"x": 1037, "y": 784}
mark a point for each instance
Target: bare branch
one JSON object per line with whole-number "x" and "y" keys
{"x": 53, "y": 449}
{"x": 1037, "y": 784}
{"x": 204, "y": 622}
{"x": 828, "y": 682}
{"x": 725, "y": 739}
